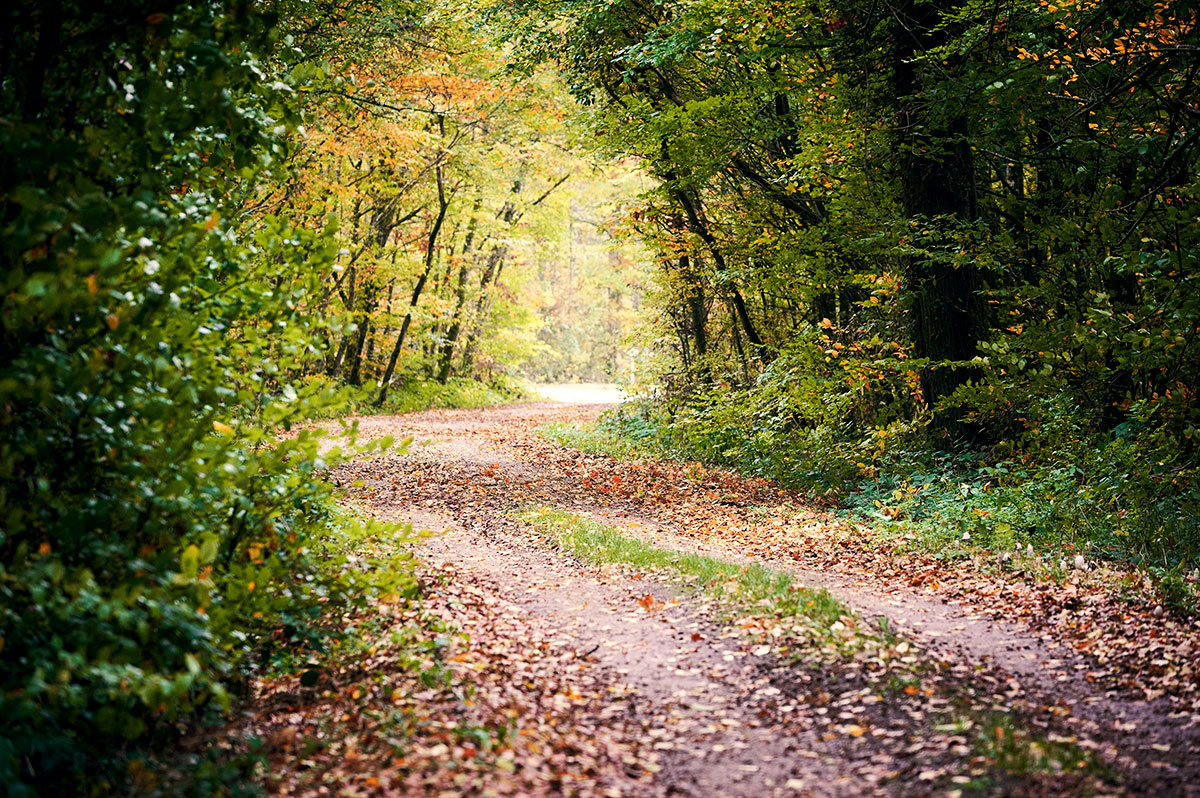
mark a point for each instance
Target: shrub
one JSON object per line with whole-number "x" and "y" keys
{"x": 159, "y": 538}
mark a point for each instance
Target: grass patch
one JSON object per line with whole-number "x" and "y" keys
{"x": 619, "y": 435}
{"x": 1011, "y": 759}
{"x": 414, "y": 395}
{"x": 769, "y": 597}
{"x": 588, "y": 438}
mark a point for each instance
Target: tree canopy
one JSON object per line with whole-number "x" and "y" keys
{"x": 903, "y": 229}
{"x": 932, "y": 259}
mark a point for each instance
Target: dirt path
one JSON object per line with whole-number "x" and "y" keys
{"x": 704, "y": 712}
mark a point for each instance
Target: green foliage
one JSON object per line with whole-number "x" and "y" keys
{"x": 944, "y": 250}
{"x": 160, "y": 538}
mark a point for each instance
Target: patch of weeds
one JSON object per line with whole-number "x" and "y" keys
{"x": 624, "y": 433}
{"x": 902, "y": 684}
{"x": 1177, "y": 593}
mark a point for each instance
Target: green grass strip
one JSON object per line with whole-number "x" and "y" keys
{"x": 589, "y": 438}
{"x": 749, "y": 588}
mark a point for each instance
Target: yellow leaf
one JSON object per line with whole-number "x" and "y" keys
{"x": 224, "y": 429}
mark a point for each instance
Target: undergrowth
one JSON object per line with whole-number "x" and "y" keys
{"x": 1094, "y": 501}
{"x": 412, "y": 395}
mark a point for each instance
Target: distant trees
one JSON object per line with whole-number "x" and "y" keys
{"x": 434, "y": 166}
{"x": 973, "y": 220}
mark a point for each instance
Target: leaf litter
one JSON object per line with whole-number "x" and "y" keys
{"x": 947, "y": 724}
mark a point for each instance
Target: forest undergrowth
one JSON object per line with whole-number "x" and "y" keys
{"x": 953, "y": 505}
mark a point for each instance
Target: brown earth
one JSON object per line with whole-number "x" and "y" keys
{"x": 677, "y": 702}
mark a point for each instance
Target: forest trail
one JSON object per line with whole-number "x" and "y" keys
{"x": 671, "y": 701}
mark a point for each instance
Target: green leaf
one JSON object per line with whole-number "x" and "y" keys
{"x": 189, "y": 563}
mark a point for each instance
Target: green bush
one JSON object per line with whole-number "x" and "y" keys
{"x": 1124, "y": 495}
{"x": 159, "y": 537}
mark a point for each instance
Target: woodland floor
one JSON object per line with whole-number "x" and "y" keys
{"x": 553, "y": 677}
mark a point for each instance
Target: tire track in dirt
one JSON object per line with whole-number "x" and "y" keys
{"x": 482, "y": 463}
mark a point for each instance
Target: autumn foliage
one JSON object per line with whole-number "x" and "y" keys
{"x": 908, "y": 247}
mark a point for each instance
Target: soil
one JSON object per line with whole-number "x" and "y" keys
{"x": 705, "y": 709}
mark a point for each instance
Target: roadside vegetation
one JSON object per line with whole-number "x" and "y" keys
{"x": 932, "y": 260}
{"x": 955, "y": 507}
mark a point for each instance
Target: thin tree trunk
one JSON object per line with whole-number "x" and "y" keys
{"x": 495, "y": 265}
{"x": 355, "y": 377}
{"x": 430, "y": 259}
{"x": 697, "y": 316}
{"x": 737, "y": 341}
{"x": 446, "y": 356}
{"x": 336, "y": 366}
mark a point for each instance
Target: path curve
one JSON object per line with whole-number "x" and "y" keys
{"x": 468, "y": 468}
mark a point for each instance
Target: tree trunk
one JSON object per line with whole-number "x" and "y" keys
{"x": 430, "y": 259}
{"x": 340, "y": 357}
{"x": 355, "y": 377}
{"x": 491, "y": 274}
{"x": 446, "y": 355}
{"x": 697, "y": 309}
{"x": 937, "y": 179}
